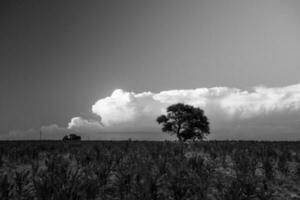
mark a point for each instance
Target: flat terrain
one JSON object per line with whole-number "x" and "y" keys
{"x": 129, "y": 170}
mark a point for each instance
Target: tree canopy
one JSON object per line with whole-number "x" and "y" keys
{"x": 186, "y": 121}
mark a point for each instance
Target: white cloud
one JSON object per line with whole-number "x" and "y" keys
{"x": 261, "y": 110}
{"x": 81, "y": 125}
{"x": 259, "y": 113}
{"x": 123, "y": 107}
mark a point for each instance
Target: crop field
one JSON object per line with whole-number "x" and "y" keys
{"x": 135, "y": 170}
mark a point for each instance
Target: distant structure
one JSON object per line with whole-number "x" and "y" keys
{"x": 71, "y": 137}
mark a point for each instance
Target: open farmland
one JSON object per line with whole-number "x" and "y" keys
{"x": 129, "y": 170}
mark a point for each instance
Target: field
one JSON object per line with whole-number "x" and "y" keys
{"x": 131, "y": 170}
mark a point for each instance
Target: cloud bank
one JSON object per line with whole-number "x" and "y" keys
{"x": 50, "y": 132}
{"x": 260, "y": 113}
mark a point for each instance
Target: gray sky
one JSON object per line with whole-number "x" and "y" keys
{"x": 57, "y": 58}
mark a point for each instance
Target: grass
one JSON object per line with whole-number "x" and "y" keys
{"x": 129, "y": 170}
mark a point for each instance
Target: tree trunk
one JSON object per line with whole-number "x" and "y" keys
{"x": 178, "y": 133}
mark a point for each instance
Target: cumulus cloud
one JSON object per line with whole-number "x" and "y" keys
{"x": 128, "y": 110}
{"x": 261, "y": 112}
{"x": 79, "y": 124}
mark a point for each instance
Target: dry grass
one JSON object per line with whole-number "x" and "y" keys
{"x": 149, "y": 170}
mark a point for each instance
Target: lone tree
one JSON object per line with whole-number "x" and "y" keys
{"x": 186, "y": 121}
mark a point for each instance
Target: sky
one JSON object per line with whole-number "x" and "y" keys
{"x": 106, "y": 69}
